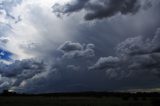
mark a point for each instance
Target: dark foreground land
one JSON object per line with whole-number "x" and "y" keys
{"x": 81, "y": 99}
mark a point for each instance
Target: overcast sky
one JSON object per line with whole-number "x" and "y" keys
{"x": 79, "y": 45}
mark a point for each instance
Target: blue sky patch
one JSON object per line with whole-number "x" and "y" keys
{"x": 5, "y": 55}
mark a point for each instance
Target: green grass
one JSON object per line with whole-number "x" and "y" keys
{"x": 73, "y": 101}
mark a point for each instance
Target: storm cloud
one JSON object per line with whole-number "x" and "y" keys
{"x": 46, "y": 53}
{"x": 96, "y": 9}
{"x": 77, "y": 50}
{"x": 75, "y": 69}
{"x": 136, "y": 57}
{"x": 73, "y": 61}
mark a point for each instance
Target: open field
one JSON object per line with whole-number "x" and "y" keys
{"x": 69, "y": 101}
{"x": 43, "y": 100}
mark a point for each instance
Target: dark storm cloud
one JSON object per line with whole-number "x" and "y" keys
{"x": 4, "y": 83}
{"x": 99, "y": 9}
{"x": 68, "y": 70}
{"x": 75, "y": 70}
{"x": 18, "y": 67}
{"x": 112, "y": 7}
{"x": 19, "y": 71}
{"x": 136, "y": 58}
{"x": 135, "y": 63}
{"x": 73, "y": 67}
{"x": 140, "y": 45}
{"x": 104, "y": 62}
{"x": 69, "y": 46}
{"x": 73, "y": 50}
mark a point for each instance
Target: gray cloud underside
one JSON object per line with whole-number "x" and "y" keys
{"x": 72, "y": 62}
{"x": 137, "y": 61}
{"x": 73, "y": 66}
{"x": 99, "y": 9}
{"x": 137, "y": 57}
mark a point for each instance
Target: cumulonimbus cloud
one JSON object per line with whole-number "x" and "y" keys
{"x": 100, "y": 9}
{"x": 135, "y": 57}
{"x": 26, "y": 75}
{"x": 74, "y": 68}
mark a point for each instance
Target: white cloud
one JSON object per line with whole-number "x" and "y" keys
{"x": 37, "y": 26}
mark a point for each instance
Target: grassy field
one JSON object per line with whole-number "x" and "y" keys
{"x": 77, "y": 101}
